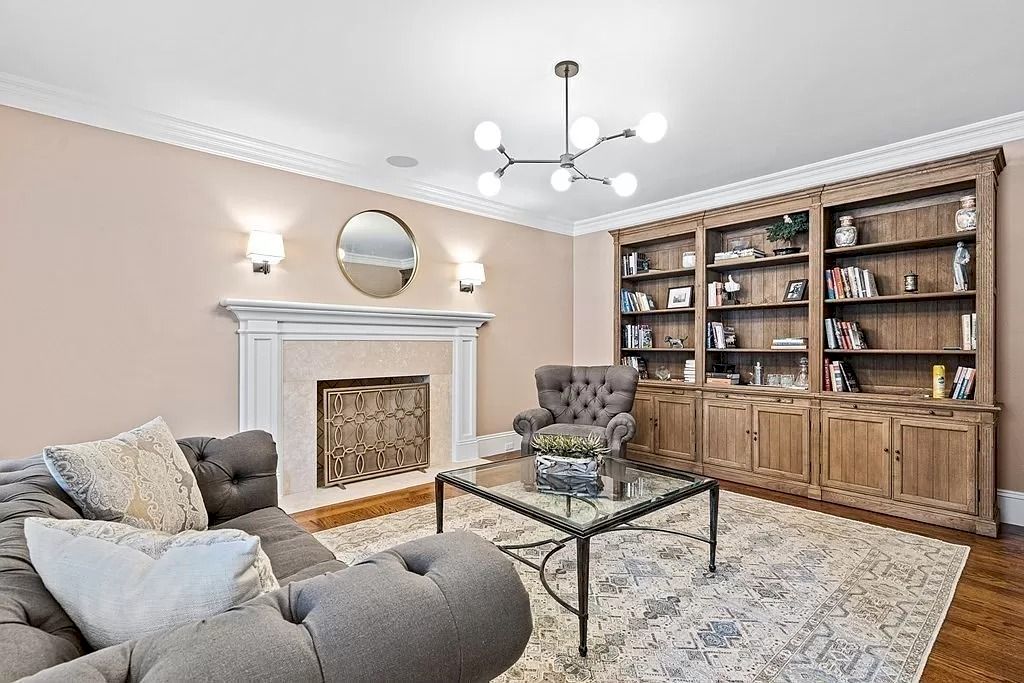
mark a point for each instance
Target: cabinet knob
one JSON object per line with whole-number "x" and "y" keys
{"x": 897, "y": 451}
{"x": 885, "y": 450}
{"x": 748, "y": 431}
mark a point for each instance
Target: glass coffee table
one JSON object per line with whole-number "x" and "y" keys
{"x": 625, "y": 492}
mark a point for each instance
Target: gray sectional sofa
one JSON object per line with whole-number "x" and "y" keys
{"x": 442, "y": 608}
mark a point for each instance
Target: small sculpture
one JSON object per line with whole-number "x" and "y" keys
{"x": 967, "y": 214}
{"x": 731, "y": 287}
{"x": 676, "y": 342}
{"x": 961, "y": 273}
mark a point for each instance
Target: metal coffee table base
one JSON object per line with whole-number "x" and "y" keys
{"x": 583, "y": 556}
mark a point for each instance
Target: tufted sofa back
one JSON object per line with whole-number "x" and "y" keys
{"x": 586, "y": 395}
{"x": 236, "y": 475}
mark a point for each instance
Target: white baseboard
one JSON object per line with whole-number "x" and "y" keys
{"x": 1011, "y": 506}
{"x": 502, "y": 442}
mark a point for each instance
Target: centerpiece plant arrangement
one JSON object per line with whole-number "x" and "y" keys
{"x": 566, "y": 456}
{"x": 786, "y": 230}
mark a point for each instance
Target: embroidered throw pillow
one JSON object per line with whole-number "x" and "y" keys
{"x": 118, "y": 583}
{"x": 139, "y": 478}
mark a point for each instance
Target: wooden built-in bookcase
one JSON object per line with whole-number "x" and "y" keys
{"x": 890, "y": 447}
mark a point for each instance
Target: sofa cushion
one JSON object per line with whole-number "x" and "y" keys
{"x": 574, "y": 430}
{"x": 139, "y": 477}
{"x": 119, "y": 583}
{"x": 290, "y": 548}
{"x": 35, "y": 632}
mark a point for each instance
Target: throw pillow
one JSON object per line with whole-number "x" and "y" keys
{"x": 139, "y": 478}
{"x": 118, "y": 583}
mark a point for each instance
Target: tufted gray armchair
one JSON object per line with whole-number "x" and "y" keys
{"x": 579, "y": 401}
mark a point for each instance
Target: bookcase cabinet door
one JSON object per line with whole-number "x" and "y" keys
{"x": 643, "y": 413}
{"x": 856, "y": 452}
{"x": 727, "y": 434}
{"x": 782, "y": 442}
{"x": 935, "y": 463}
{"x": 674, "y": 435}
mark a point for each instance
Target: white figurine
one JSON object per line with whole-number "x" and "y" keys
{"x": 731, "y": 287}
{"x": 961, "y": 276}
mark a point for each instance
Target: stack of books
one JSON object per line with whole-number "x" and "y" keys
{"x": 721, "y": 379}
{"x": 716, "y": 294}
{"x": 849, "y": 283}
{"x": 746, "y": 254}
{"x": 969, "y": 332}
{"x": 963, "y": 383}
{"x": 690, "y": 371}
{"x": 840, "y": 334}
{"x": 638, "y": 363}
{"x": 636, "y": 301}
{"x": 635, "y": 263}
{"x": 839, "y": 376}
{"x": 720, "y": 336}
{"x": 789, "y": 343}
{"x": 637, "y": 337}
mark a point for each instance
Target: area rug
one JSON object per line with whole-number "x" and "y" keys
{"x": 798, "y": 595}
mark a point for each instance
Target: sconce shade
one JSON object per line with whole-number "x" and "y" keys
{"x": 471, "y": 273}
{"x": 265, "y": 247}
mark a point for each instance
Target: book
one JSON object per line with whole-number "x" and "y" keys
{"x": 744, "y": 254}
{"x": 839, "y": 377}
{"x": 851, "y": 282}
{"x": 690, "y": 371}
{"x": 790, "y": 343}
{"x": 639, "y": 363}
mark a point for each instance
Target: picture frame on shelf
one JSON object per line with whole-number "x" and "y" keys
{"x": 796, "y": 290}
{"x": 680, "y": 297}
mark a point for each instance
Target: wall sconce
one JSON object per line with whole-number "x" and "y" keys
{"x": 470, "y": 275}
{"x": 265, "y": 248}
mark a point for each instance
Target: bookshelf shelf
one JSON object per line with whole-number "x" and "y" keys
{"x": 659, "y": 311}
{"x": 657, "y": 349}
{"x": 765, "y": 262}
{"x": 748, "y": 350}
{"x": 891, "y": 246}
{"x": 901, "y": 352}
{"x": 895, "y": 298}
{"x": 751, "y": 307}
{"x": 659, "y": 274}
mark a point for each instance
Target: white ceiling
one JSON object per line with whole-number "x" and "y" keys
{"x": 749, "y": 87}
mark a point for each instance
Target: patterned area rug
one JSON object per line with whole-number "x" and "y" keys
{"x": 798, "y": 595}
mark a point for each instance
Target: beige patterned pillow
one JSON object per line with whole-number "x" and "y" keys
{"x": 119, "y": 583}
{"x": 140, "y": 478}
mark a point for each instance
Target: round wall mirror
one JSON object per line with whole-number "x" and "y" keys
{"x": 377, "y": 253}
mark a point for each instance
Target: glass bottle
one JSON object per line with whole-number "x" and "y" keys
{"x": 802, "y": 381}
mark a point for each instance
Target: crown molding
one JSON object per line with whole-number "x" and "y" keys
{"x": 42, "y": 98}
{"x": 931, "y": 147}
{"x": 63, "y": 103}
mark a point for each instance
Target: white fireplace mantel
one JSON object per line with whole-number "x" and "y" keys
{"x": 263, "y": 326}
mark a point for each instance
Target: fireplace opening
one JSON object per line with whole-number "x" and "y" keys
{"x": 371, "y": 427}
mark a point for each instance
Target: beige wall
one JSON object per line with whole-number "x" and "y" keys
{"x": 594, "y": 307}
{"x": 593, "y": 294}
{"x": 116, "y": 251}
{"x": 1010, "y": 318}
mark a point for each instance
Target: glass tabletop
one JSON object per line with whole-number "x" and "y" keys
{"x": 624, "y": 490}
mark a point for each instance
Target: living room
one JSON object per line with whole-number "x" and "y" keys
{"x": 332, "y": 357}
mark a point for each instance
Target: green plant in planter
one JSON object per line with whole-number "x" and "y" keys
{"x": 577, "y": 447}
{"x": 788, "y": 228}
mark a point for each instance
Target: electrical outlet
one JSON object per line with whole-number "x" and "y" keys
{"x": 510, "y": 446}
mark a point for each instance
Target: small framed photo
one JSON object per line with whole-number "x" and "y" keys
{"x": 796, "y": 290}
{"x": 680, "y": 297}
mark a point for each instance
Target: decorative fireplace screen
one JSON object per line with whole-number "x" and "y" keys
{"x": 372, "y": 427}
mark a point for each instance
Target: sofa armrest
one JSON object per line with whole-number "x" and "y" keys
{"x": 620, "y": 429}
{"x": 236, "y": 474}
{"x": 449, "y": 607}
{"x": 528, "y": 422}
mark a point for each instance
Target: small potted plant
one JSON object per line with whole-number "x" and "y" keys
{"x": 786, "y": 230}
{"x": 569, "y": 456}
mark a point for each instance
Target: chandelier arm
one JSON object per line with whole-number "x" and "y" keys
{"x": 536, "y": 161}
{"x": 627, "y": 133}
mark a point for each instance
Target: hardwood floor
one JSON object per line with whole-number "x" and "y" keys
{"x": 982, "y": 638}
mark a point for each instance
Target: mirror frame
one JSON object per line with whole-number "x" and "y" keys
{"x": 408, "y": 232}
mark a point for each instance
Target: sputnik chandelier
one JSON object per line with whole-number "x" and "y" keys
{"x": 585, "y": 136}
